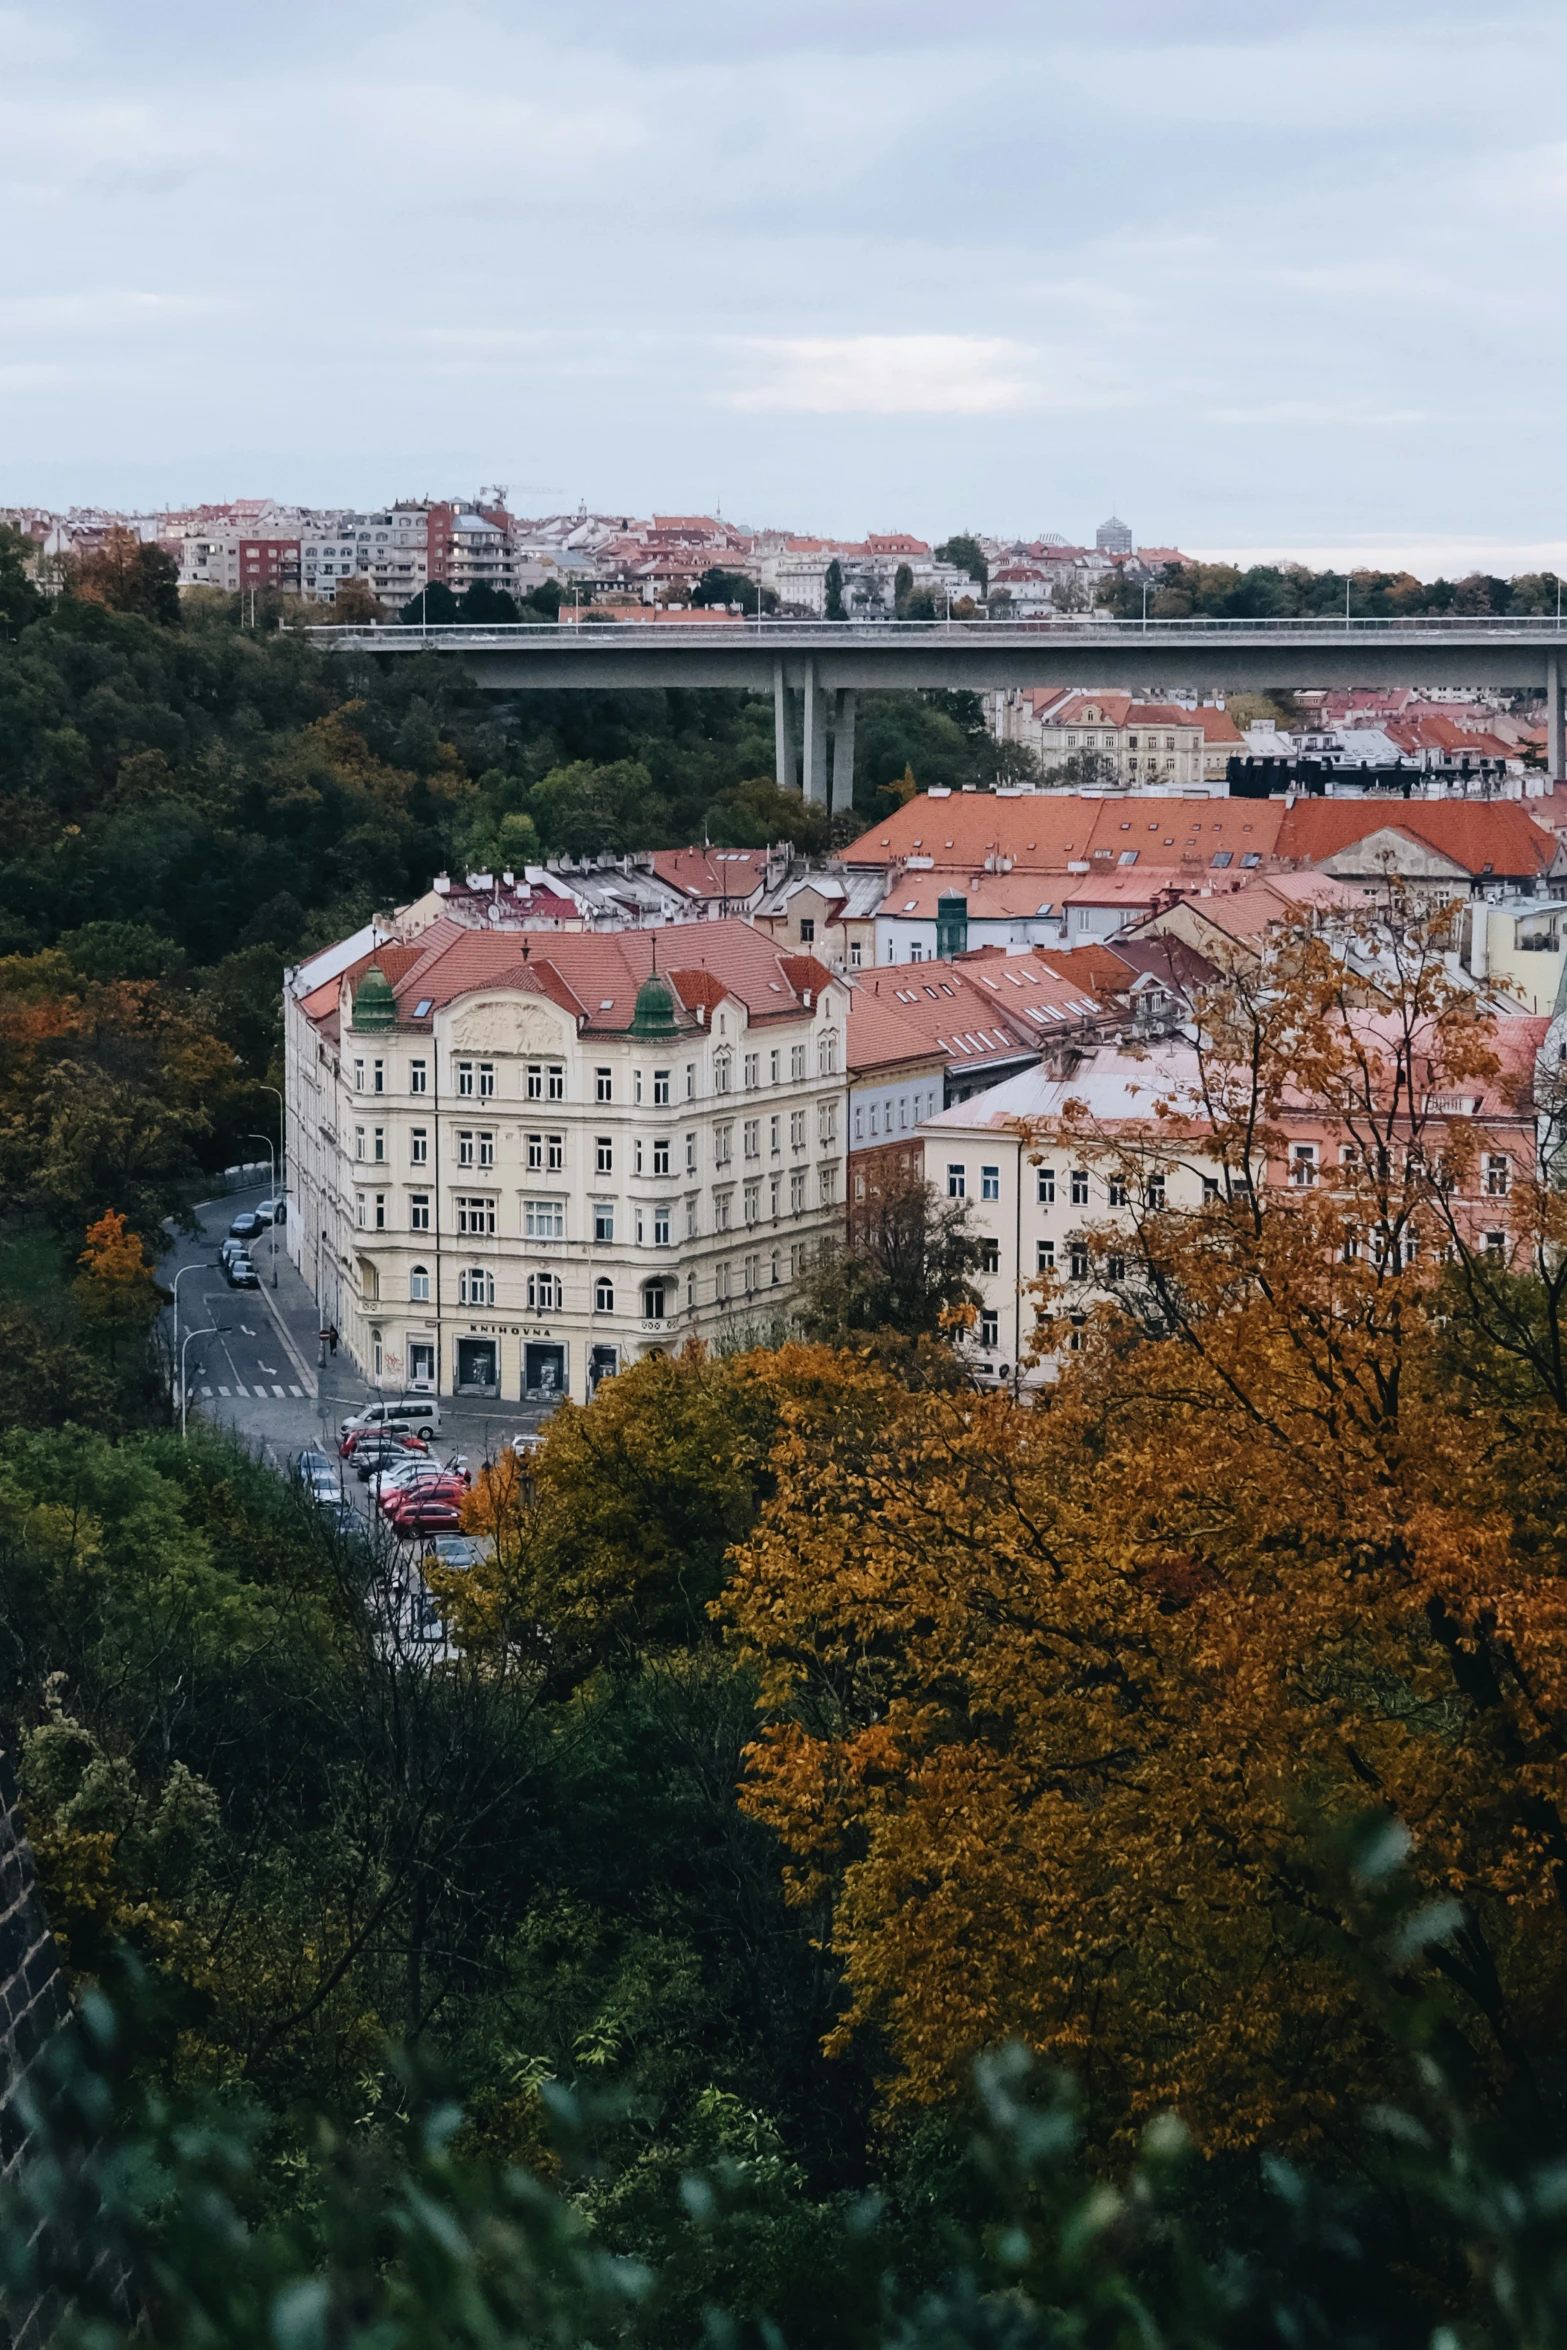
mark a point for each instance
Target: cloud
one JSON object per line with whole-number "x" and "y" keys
{"x": 886, "y": 375}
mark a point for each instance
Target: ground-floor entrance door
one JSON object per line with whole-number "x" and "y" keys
{"x": 602, "y": 1364}
{"x": 421, "y": 1365}
{"x": 543, "y": 1370}
{"x": 478, "y": 1366}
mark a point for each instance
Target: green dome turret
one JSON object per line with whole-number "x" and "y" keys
{"x": 653, "y": 1021}
{"x": 375, "y": 1006}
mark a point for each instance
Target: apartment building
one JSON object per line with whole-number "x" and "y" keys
{"x": 520, "y": 1163}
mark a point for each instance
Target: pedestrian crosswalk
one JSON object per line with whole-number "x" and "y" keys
{"x": 240, "y": 1389}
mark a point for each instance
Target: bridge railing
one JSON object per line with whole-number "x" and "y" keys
{"x": 399, "y": 636}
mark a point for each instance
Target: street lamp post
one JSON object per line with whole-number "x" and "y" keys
{"x": 282, "y": 1135}
{"x": 210, "y": 1332}
{"x": 178, "y": 1278}
{"x": 272, "y": 1161}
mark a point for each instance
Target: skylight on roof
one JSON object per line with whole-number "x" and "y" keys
{"x": 910, "y": 904}
{"x": 606, "y": 1003}
{"x": 424, "y": 1007}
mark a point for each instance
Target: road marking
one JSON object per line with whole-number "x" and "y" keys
{"x": 277, "y": 1390}
{"x": 296, "y": 1391}
{"x": 269, "y": 1368}
{"x": 222, "y": 1391}
{"x": 307, "y": 1378}
{"x": 239, "y": 1390}
{"x": 206, "y": 1391}
{"x": 249, "y": 1333}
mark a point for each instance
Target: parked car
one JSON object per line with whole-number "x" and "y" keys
{"x": 342, "y": 1516}
{"x": 245, "y": 1226}
{"x": 455, "y": 1550}
{"x": 273, "y": 1211}
{"x": 409, "y": 1513}
{"x": 399, "y": 1496}
{"x": 371, "y": 1459}
{"x": 317, "y": 1475}
{"x": 398, "y": 1477}
{"x": 241, "y": 1273}
{"x": 418, "y": 1411}
{"x": 396, "y": 1434}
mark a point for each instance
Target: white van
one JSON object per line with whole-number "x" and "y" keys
{"x": 421, "y": 1413}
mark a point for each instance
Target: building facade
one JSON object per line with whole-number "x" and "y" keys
{"x": 515, "y": 1172}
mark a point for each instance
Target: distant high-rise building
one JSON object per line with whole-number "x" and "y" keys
{"x": 1113, "y": 537}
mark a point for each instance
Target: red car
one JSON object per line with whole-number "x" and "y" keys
{"x": 429, "y": 1514}
{"x": 443, "y": 1495}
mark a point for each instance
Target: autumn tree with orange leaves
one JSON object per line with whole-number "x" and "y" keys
{"x": 1062, "y": 1703}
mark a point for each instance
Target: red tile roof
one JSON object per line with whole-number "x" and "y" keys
{"x": 1481, "y": 836}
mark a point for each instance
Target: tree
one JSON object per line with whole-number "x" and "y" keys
{"x": 717, "y": 586}
{"x": 20, "y": 600}
{"x": 902, "y": 590}
{"x": 1059, "y": 1702}
{"x": 834, "y": 608}
{"x": 966, "y": 553}
{"x": 487, "y": 606}
{"x": 127, "y": 574}
{"x": 434, "y": 606}
{"x": 355, "y": 605}
{"x": 906, "y": 1267}
{"x": 1084, "y": 771}
{"x": 115, "y": 1287}
{"x": 758, "y": 812}
{"x": 587, "y": 809}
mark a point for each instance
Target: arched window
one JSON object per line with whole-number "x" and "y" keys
{"x": 604, "y": 1297}
{"x": 653, "y": 1294}
{"x": 827, "y": 1054}
{"x": 545, "y": 1295}
{"x": 475, "y": 1287}
{"x": 419, "y": 1285}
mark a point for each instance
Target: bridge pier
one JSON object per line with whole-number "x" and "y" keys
{"x": 1553, "y": 716}
{"x": 813, "y": 739}
{"x": 784, "y": 764}
{"x": 843, "y": 749}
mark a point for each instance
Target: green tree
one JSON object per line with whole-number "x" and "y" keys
{"x": 717, "y": 586}
{"x": 586, "y": 809}
{"x": 902, "y": 590}
{"x": 127, "y": 574}
{"x": 835, "y": 608}
{"x": 20, "y": 600}
{"x": 906, "y": 1267}
{"x": 965, "y": 551}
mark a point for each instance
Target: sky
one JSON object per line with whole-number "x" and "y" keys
{"x": 1265, "y": 279}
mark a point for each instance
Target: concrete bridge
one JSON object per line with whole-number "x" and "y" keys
{"x": 815, "y": 668}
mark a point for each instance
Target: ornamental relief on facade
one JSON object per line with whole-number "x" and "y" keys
{"x": 505, "y": 1028}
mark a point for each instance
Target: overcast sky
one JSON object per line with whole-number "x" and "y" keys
{"x": 1262, "y": 276}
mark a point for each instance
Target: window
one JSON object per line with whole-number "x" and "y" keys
{"x": 661, "y": 1089}
{"x": 1116, "y": 1191}
{"x": 723, "y": 1143}
{"x": 827, "y": 1051}
{"x": 419, "y": 1211}
{"x": 542, "y": 1219}
{"x": 753, "y": 1069}
{"x": 854, "y": 954}
{"x": 545, "y": 1294}
{"x": 378, "y": 1145}
{"x": 1079, "y": 1260}
{"x": 1076, "y": 1338}
{"x": 535, "y": 1081}
{"x": 419, "y": 1285}
{"x": 1496, "y": 1171}
{"x": 380, "y": 1211}
{"x": 475, "y": 1287}
{"x": 661, "y": 1228}
{"x": 796, "y": 1062}
{"x": 807, "y": 930}
{"x": 557, "y": 1082}
{"x": 989, "y": 1329}
{"x": 774, "y": 1065}
{"x": 753, "y": 1138}
{"x": 378, "y": 1077}
{"x": 1303, "y": 1165}
{"x": 774, "y": 1188}
{"x": 828, "y": 1185}
{"x": 773, "y": 1131}
{"x": 557, "y": 1153}
{"x": 418, "y": 1077}
{"x": 487, "y": 1149}
{"x": 753, "y": 1202}
{"x": 604, "y": 1085}
{"x": 957, "y": 1182}
{"x": 661, "y": 1157}
{"x": 475, "y": 1215}
{"x": 796, "y": 1195}
{"x": 419, "y": 1146}
{"x": 603, "y": 1219}
{"x": 1496, "y": 1246}
{"x": 1156, "y": 1195}
{"x": 359, "y": 1142}
{"x": 797, "y": 1130}
{"x": 603, "y": 1297}
{"x": 690, "y": 1081}
{"x": 465, "y": 1077}
{"x": 1047, "y": 1187}
{"x": 990, "y": 1256}
{"x": 359, "y": 1077}
{"x": 859, "y": 1121}
{"x": 486, "y": 1077}
{"x": 753, "y": 1273}
{"x": 604, "y": 1154}
{"x": 1115, "y": 1266}
{"x": 1079, "y": 1187}
{"x": 721, "y": 1202}
{"x": 690, "y": 1154}
{"x": 1044, "y": 1256}
{"x": 721, "y": 1072}
{"x": 990, "y": 1183}
{"x": 535, "y": 1150}
{"x": 465, "y": 1148}
{"x": 1210, "y": 1190}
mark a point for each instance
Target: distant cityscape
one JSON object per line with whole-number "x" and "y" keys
{"x": 398, "y": 551}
